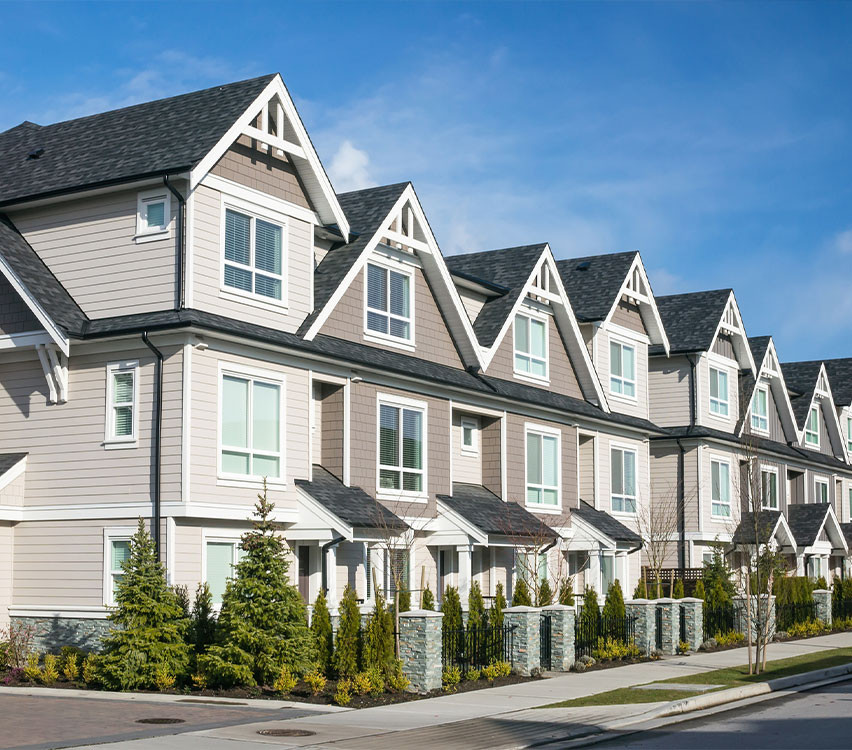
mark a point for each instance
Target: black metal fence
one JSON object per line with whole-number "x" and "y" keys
{"x": 841, "y": 608}
{"x": 794, "y": 613}
{"x": 721, "y": 621}
{"x": 682, "y": 636}
{"x": 588, "y": 631}
{"x": 475, "y": 648}
{"x": 546, "y": 640}
{"x": 658, "y": 628}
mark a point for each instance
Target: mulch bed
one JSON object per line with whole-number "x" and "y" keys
{"x": 599, "y": 665}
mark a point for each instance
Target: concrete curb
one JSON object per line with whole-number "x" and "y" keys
{"x": 188, "y": 700}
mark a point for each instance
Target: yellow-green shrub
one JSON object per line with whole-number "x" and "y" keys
{"x": 71, "y": 670}
{"x": 451, "y": 677}
{"x": 729, "y": 639}
{"x": 164, "y": 679}
{"x": 343, "y": 694}
{"x": 50, "y": 673}
{"x": 361, "y": 683}
{"x": 90, "y": 669}
{"x": 472, "y": 675}
{"x": 285, "y": 681}
{"x": 316, "y": 681}
{"x": 32, "y": 671}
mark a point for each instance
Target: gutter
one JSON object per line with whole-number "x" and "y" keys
{"x": 156, "y": 443}
{"x": 325, "y": 548}
{"x": 180, "y": 241}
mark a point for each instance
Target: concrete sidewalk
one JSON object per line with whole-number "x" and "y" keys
{"x": 488, "y": 719}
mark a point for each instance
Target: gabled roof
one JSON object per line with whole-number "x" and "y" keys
{"x": 839, "y": 374}
{"x": 594, "y": 281}
{"x": 509, "y": 268}
{"x": 806, "y": 521}
{"x": 846, "y": 528}
{"x": 811, "y": 381}
{"x": 691, "y": 319}
{"x": 761, "y": 348}
{"x": 761, "y": 526}
{"x": 606, "y": 524}
{"x": 488, "y": 513}
{"x": 351, "y": 505}
{"x": 154, "y": 138}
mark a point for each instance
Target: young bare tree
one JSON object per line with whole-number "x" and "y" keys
{"x": 658, "y": 523}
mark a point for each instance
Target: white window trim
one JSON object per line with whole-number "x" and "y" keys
{"x": 385, "y": 338}
{"x": 473, "y": 424}
{"x": 849, "y": 434}
{"x": 624, "y": 449}
{"x": 545, "y": 431}
{"x": 112, "y": 534}
{"x": 760, "y": 430}
{"x": 251, "y": 373}
{"x": 810, "y": 443}
{"x": 264, "y": 214}
{"x": 400, "y": 402}
{"x": 111, "y": 441}
{"x": 625, "y": 345}
{"x": 763, "y": 504}
{"x": 726, "y": 401}
{"x": 520, "y": 374}
{"x": 730, "y": 503}
{"x": 221, "y": 536}
{"x": 144, "y": 233}
{"x": 820, "y": 481}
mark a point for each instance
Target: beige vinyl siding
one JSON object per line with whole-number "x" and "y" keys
{"x": 15, "y": 316}
{"x": 587, "y": 469}
{"x": 467, "y": 465}
{"x": 811, "y": 477}
{"x": 207, "y": 268}
{"x": 331, "y": 449}
{"x": 492, "y": 466}
{"x": 637, "y": 407}
{"x": 562, "y": 377}
{"x": 665, "y": 481}
{"x": 729, "y": 423}
{"x": 6, "y": 545}
{"x": 712, "y": 525}
{"x": 627, "y": 314}
{"x": 472, "y": 302}
{"x": 88, "y": 244}
{"x": 206, "y": 487}
{"x": 14, "y": 492}
{"x": 724, "y": 346}
{"x": 669, "y": 390}
{"x": 187, "y": 554}
{"x": 67, "y": 462}
{"x": 432, "y": 340}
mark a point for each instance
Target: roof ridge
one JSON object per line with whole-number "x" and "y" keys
{"x": 400, "y": 185}
{"x": 728, "y": 290}
{"x": 530, "y": 246}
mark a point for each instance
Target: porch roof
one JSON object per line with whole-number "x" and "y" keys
{"x": 606, "y": 524}
{"x": 767, "y": 525}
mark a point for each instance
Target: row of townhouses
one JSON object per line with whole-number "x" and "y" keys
{"x": 187, "y": 310}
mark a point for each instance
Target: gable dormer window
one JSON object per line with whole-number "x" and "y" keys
{"x": 760, "y": 409}
{"x": 812, "y": 428}
{"x": 719, "y": 392}
{"x": 622, "y": 369}
{"x": 153, "y": 211}
{"x": 530, "y": 346}
{"x": 389, "y": 303}
{"x": 253, "y": 256}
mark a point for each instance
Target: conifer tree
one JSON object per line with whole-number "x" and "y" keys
{"x": 699, "y": 589}
{"x": 202, "y": 620}
{"x": 495, "y": 614}
{"x": 263, "y": 624}
{"x": 323, "y": 636}
{"x": 451, "y": 607}
{"x": 614, "y": 609}
{"x": 566, "y": 593}
{"x": 640, "y": 592}
{"x": 347, "y": 641}
{"x": 151, "y": 625}
{"x": 521, "y": 595}
{"x": 590, "y": 614}
{"x": 378, "y": 638}
{"x": 475, "y": 607}
{"x": 678, "y": 590}
{"x": 404, "y": 600}
{"x": 427, "y": 599}
{"x": 544, "y": 595}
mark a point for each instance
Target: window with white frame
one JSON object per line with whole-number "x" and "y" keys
{"x": 760, "y": 409}
{"x": 122, "y": 402}
{"x": 622, "y": 369}
{"x": 812, "y": 427}
{"x": 850, "y": 502}
{"x": 849, "y": 433}
{"x": 769, "y": 489}
{"x": 719, "y": 392}
{"x": 815, "y": 567}
{"x": 530, "y": 346}
{"x": 153, "y": 211}
{"x": 720, "y": 488}
{"x": 623, "y": 474}
{"x": 118, "y": 551}
{"x": 401, "y": 448}
{"x": 389, "y": 302}
{"x": 607, "y": 572}
{"x": 543, "y": 486}
{"x": 397, "y": 569}
{"x": 253, "y": 256}
{"x": 469, "y": 429}
{"x": 250, "y": 432}
{"x": 821, "y": 493}
{"x": 222, "y": 555}
{"x": 528, "y": 565}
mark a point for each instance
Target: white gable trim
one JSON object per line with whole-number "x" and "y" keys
{"x": 313, "y": 515}
{"x": 829, "y": 414}
{"x": 13, "y": 473}
{"x": 463, "y": 525}
{"x": 741, "y": 345}
{"x": 305, "y": 158}
{"x": 778, "y": 389}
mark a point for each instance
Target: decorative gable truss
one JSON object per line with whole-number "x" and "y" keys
{"x": 731, "y": 325}
{"x": 823, "y": 399}
{"x": 405, "y": 230}
{"x": 769, "y": 373}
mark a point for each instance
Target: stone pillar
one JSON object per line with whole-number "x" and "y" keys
{"x": 645, "y": 624}
{"x": 694, "y": 613}
{"x": 670, "y": 624}
{"x": 526, "y": 646}
{"x": 741, "y": 616}
{"x": 420, "y": 641}
{"x": 823, "y": 606}
{"x": 561, "y": 636}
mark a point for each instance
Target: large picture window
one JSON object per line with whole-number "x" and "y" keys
{"x": 719, "y": 392}
{"x": 530, "y": 346}
{"x": 254, "y": 252}
{"x": 401, "y": 448}
{"x": 222, "y": 556}
{"x": 622, "y": 369}
{"x": 720, "y": 488}
{"x": 623, "y": 471}
{"x": 388, "y": 302}
{"x": 542, "y": 468}
{"x": 760, "y": 410}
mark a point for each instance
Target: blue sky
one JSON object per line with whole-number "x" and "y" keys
{"x": 714, "y": 138}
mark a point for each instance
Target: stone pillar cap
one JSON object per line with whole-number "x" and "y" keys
{"x": 557, "y": 607}
{"x": 666, "y": 600}
{"x": 421, "y": 613}
{"x": 691, "y": 599}
{"x": 821, "y": 591}
{"x": 638, "y": 601}
{"x": 520, "y": 608}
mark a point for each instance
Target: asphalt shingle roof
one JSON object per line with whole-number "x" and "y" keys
{"x": 509, "y": 268}
{"x": 839, "y": 372}
{"x": 846, "y": 528}
{"x": 350, "y": 504}
{"x": 690, "y": 320}
{"x": 606, "y": 524}
{"x": 153, "y": 138}
{"x": 801, "y": 379}
{"x": 594, "y": 282}
{"x": 805, "y": 521}
{"x": 8, "y": 460}
{"x": 762, "y": 527}
{"x": 487, "y": 512}
{"x": 758, "y": 346}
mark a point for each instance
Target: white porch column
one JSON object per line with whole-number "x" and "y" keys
{"x": 331, "y": 575}
{"x": 594, "y": 579}
{"x": 465, "y": 553}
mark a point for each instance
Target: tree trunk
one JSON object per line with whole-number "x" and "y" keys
{"x": 396, "y": 623}
{"x": 748, "y": 620}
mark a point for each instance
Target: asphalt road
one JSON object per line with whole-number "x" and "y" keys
{"x": 819, "y": 719}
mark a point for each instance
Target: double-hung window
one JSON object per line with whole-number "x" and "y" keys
{"x": 254, "y": 250}
{"x": 769, "y": 489}
{"x": 720, "y": 488}
{"x": 821, "y": 487}
{"x": 623, "y": 474}
{"x": 222, "y": 556}
{"x": 719, "y": 392}
{"x": 401, "y": 449}
{"x": 530, "y": 346}
{"x": 250, "y": 434}
{"x": 543, "y": 485}
{"x": 812, "y": 427}
{"x": 119, "y": 553}
{"x": 622, "y": 369}
{"x": 152, "y": 214}
{"x": 469, "y": 428}
{"x": 388, "y": 303}
{"x": 760, "y": 410}
{"x": 122, "y": 402}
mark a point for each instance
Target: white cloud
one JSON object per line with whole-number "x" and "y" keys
{"x": 350, "y": 168}
{"x": 842, "y": 242}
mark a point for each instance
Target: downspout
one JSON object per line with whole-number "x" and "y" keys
{"x": 681, "y": 485}
{"x": 181, "y": 243}
{"x": 325, "y": 548}
{"x": 156, "y": 441}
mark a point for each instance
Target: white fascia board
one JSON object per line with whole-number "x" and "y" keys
{"x": 13, "y": 473}
{"x": 310, "y": 168}
{"x": 831, "y": 525}
{"x": 55, "y": 333}
{"x": 590, "y": 531}
{"x": 25, "y": 339}
{"x": 832, "y": 421}
{"x": 314, "y": 515}
{"x": 461, "y": 523}
{"x": 741, "y": 346}
{"x": 786, "y": 532}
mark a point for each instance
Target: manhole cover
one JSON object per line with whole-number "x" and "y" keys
{"x": 286, "y": 732}
{"x": 159, "y": 720}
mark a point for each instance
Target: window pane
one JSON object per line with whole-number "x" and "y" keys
{"x": 615, "y": 385}
{"x": 538, "y": 337}
{"x": 399, "y": 294}
{"x": 467, "y": 436}
{"x": 533, "y": 459}
{"x": 412, "y": 439}
{"x": 714, "y": 383}
{"x": 617, "y": 472}
{"x": 628, "y": 358}
{"x": 723, "y": 386}
{"x": 522, "y": 334}
{"x": 267, "y": 247}
{"x": 235, "y": 395}
{"x": 266, "y": 466}
{"x": 122, "y": 387}
{"x": 266, "y": 412}
{"x": 238, "y": 278}
{"x": 724, "y": 483}
{"x": 120, "y": 554}
{"x": 267, "y": 287}
{"x": 155, "y": 215}
{"x": 377, "y": 322}
{"x": 533, "y": 495}
{"x": 715, "y": 492}
{"x": 522, "y": 363}
{"x": 629, "y": 389}
{"x": 237, "y": 233}
{"x": 400, "y": 328}
{"x": 538, "y": 367}
{"x": 123, "y": 421}
{"x": 607, "y": 572}
{"x": 550, "y": 497}
{"x": 389, "y": 436}
{"x": 615, "y": 359}
{"x": 235, "y": 463}
{"x": 550, "y": 461}
{"x": 389, "y": 480}
{"x": 377, "y": 296}
{"x": 629, "y": 473}
{"x": 220, "y": 557}
{"x": 412, "y": 482}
